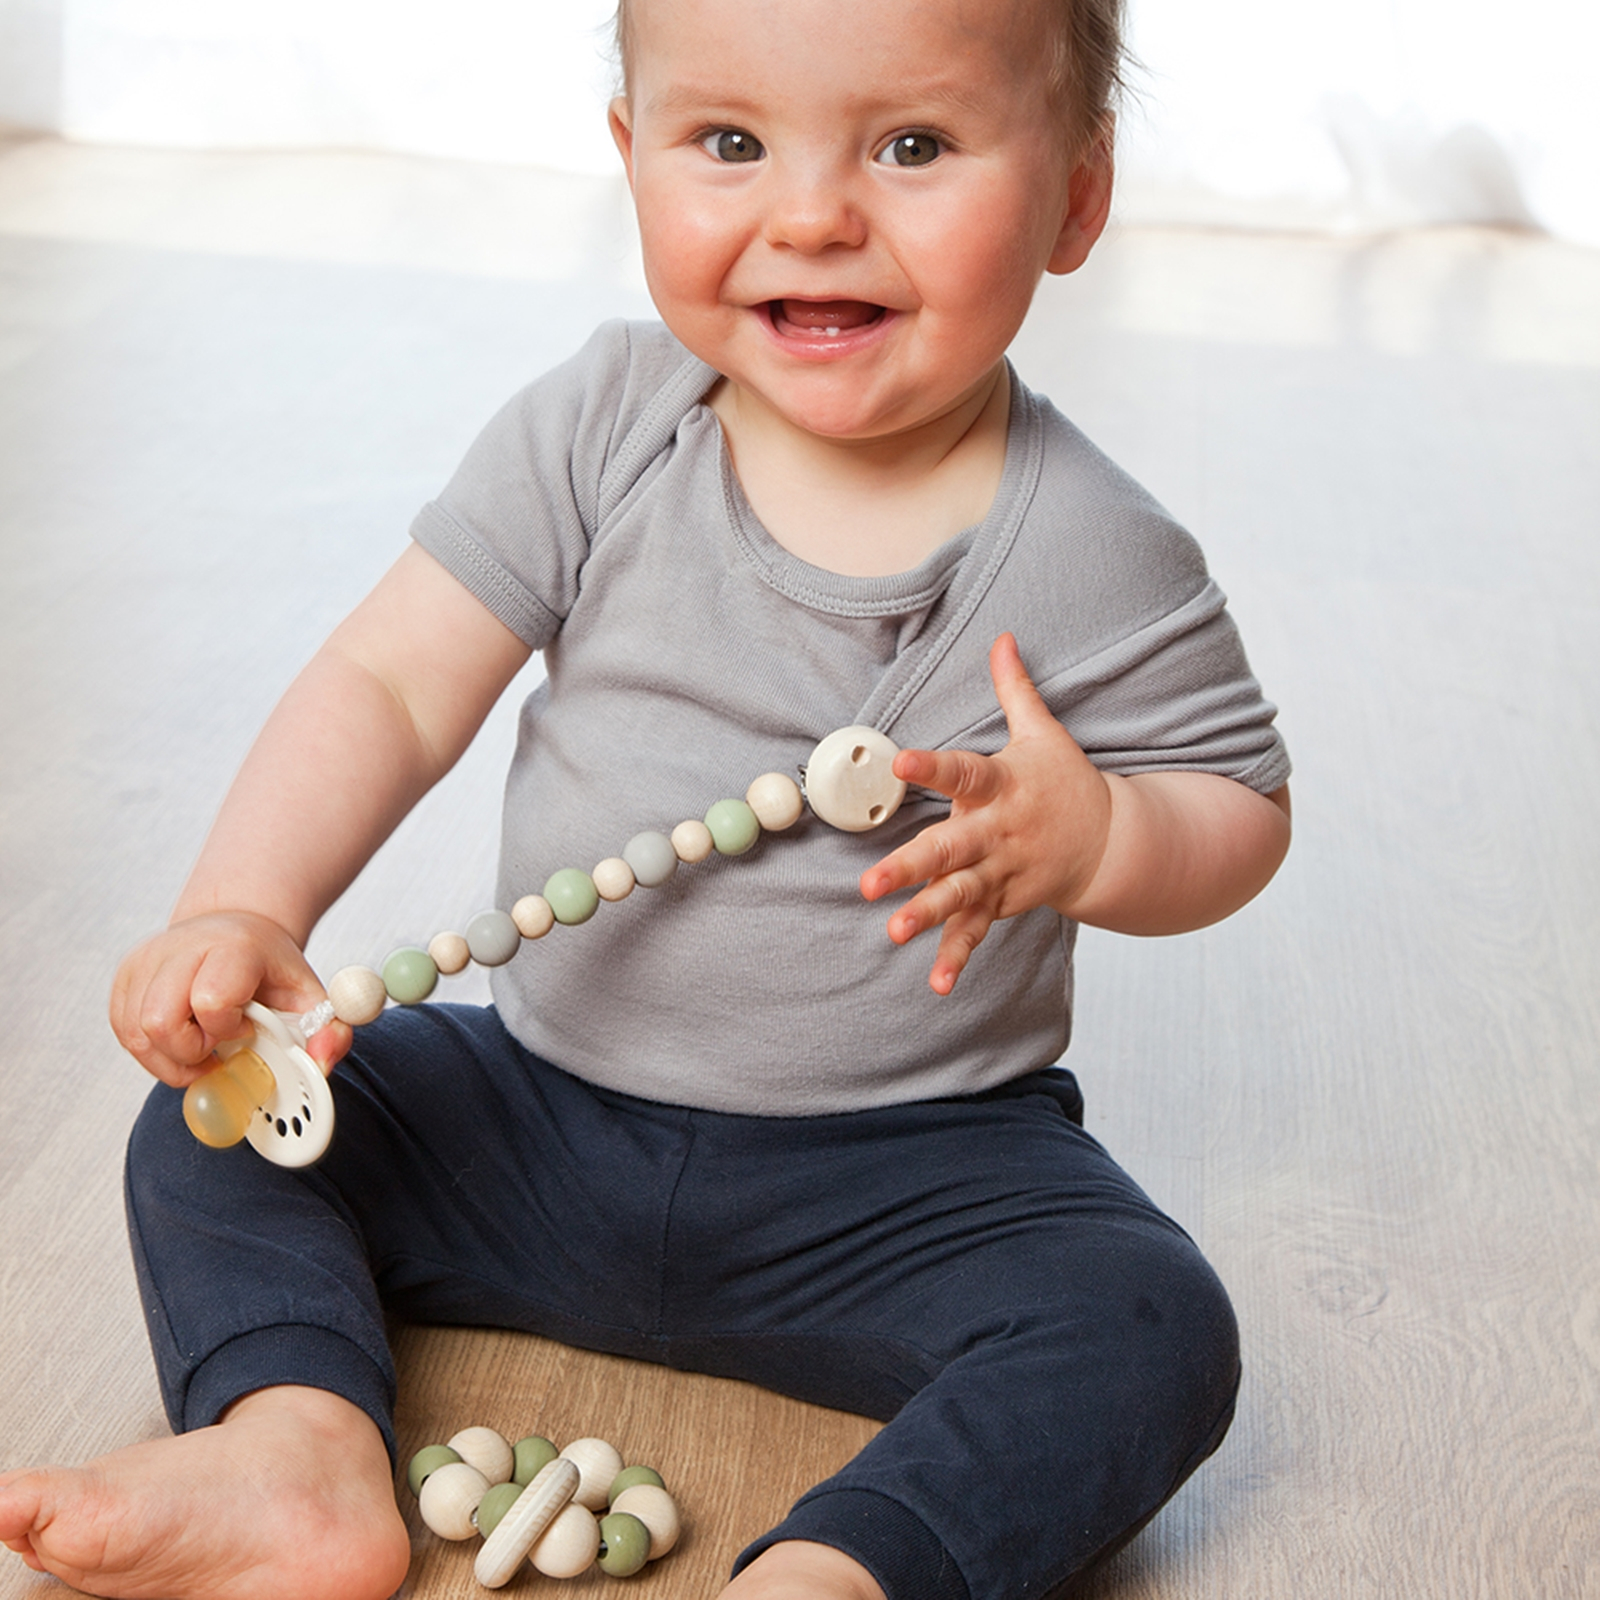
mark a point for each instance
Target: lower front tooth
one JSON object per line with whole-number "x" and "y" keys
{"x": 832, "y": 333}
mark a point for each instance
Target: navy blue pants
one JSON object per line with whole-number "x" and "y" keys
{"x": 1055, "y": 1355}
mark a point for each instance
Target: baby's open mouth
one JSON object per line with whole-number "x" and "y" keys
{"x": 830, "y": 318}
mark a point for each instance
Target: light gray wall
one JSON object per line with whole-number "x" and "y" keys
{"x": 30, "y": 62}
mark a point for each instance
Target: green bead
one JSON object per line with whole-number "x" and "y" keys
{"x": 628, "y": 1477}
{"x": 409, "y": 975}
{"x": 428, "y": 1459}
{"x": 572, "y": 896}
{"x": 734, "y": 827}
{"x": 530, "y": 1457}
{"x": 494, "y": 1505}
{"x": 624, "y": 1544}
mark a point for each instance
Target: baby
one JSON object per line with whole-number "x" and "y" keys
{"x": 816, "y": 496}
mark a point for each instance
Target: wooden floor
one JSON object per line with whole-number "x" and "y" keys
{"x": 225, "y": 385}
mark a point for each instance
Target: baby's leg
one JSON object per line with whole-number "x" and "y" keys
{"x": 289, "y": 1497}
{"x": 1055, "y": 1356}
{"x": 797, "y": 1569}
{"x": 267, "y": 1327}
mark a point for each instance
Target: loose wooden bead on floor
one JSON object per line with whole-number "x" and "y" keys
{"x": 486, "y": 1450}
{"x": 531, "y": 1455}
{"x": 494, "y": 1506}
{"x": 624, "y": 1544}
{"x": 449, "y": 1497}
{"x": 426, "y": 1461}
{"x": 657, "y": 1510}
{"x": 598, "y": 1463}
{"x": 569, "y": 1545}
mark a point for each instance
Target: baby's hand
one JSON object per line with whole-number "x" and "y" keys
{"x": 179, "y": 995}
{"x": 1027, "y": 828}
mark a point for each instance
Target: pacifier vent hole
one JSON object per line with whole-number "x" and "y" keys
{"x": 876, "y": 814}
{"x": 860, "y": 756}
{"x": 283, "y": 1128}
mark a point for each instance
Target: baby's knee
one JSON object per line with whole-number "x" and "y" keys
{"x": 166, "y": 1167}
{"x": 1178, "y": 1339}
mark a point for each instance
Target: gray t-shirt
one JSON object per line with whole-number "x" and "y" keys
{"x": 598, "y": 516}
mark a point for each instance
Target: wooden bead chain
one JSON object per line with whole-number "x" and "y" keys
{"x": 563, "y": 1511}
{"x": 848, "y": 781}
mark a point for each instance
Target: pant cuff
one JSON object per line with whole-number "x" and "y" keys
{"x": 898, "y": 1548}
{"x": 296, "y": 1353}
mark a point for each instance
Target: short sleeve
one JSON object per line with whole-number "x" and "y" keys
{"x": 516, "y": 522}
{"x": 1125, "y": 633}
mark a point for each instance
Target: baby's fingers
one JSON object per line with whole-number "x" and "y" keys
{"x": 1014, "y": 688}
{"x": 956, "y": 774}
{"x": 962, "y": 935}
{"x": 938, "y": 851}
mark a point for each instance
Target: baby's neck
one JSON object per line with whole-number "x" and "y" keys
{"x": 870, "y": 508}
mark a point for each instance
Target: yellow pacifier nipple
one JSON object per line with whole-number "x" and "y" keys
{"x": 219, "y": 1106}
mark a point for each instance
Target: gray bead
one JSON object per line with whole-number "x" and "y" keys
{"x": 652, "y": 858}
{"x": 492, "y": 938}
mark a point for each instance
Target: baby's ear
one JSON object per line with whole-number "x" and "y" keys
{"x": 620, "y": 116}
{"x": 1088, "y": 205}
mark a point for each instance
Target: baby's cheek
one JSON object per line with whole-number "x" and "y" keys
{"x": 685, "y": 250}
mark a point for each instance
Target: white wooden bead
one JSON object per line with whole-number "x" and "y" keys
{"x": 533, "y": 916}
{"x": 613, "y": 878}
{"x": 657, "y": 1510}
{"x": 449, "y": 952}
{"x": 531, "y": 1513}
{"x": 776, "y": 801}
{"x": 569, "y": 1544}
{"x": 850, "y": 779}
{"x": 486, "y": 1450}
{"x": 450, "y": 1496}
{"x": 692, "y": 840}
{"x": 598, "y": 1463}
{"x": 358, "y": 995}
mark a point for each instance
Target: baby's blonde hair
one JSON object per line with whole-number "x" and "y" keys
{"x": 1086, "y": 73}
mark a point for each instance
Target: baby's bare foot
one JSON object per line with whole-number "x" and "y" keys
{"x": 796, "y": 1569}
{"x": 288, "y": 1498}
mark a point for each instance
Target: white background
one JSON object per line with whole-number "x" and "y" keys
{"x": 1297, "y": 113}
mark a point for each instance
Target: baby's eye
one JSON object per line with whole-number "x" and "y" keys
{"x": 911, "y": 150}
{"x": 730, "y": 144}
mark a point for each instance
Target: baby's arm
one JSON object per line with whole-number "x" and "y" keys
{"x": 1038, "y": 824}
{"x": 377, "y": 717}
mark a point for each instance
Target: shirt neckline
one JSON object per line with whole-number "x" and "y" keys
{"x": 894, "y": 594}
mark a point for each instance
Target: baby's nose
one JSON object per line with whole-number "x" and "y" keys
{"x": 812, "y": 212}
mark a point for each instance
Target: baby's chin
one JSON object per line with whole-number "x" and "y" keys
{"x": 831, "y": 409}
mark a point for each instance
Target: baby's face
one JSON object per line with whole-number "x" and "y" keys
{"x": 846, "y": 205}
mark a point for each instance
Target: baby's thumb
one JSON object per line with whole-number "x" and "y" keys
{"x": 1013, "y": 687}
